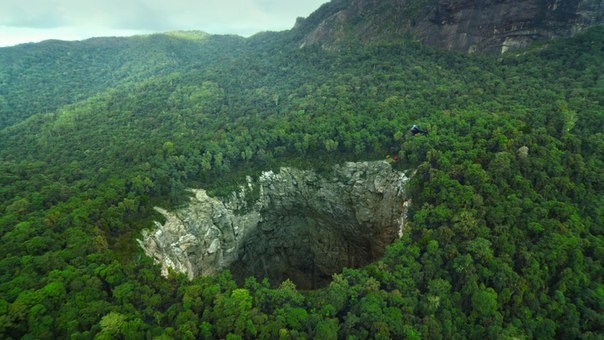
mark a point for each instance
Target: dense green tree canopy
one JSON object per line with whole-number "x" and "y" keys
{"x": 504, "y": 235}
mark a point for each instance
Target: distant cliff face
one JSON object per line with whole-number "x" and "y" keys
{"x": 492, "y": 26}
{"x": 293, "y": 224}
{"x": 497, "y": 26}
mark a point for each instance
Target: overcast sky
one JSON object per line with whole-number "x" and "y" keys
{"x": 24, "y": 21}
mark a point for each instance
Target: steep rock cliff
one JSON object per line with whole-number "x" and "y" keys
{"x": 492, "y": 26}
{"x": 292, "y": 224}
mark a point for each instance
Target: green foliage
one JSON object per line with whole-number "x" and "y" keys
{"x": 504, "y": 234}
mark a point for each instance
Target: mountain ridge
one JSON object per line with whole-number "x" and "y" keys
{"x": 468, "y": 26}
{"x": 502, "y": 239}
{"x": 54, "y": 73}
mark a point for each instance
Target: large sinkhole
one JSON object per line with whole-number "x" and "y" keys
{"x": 294, "y": 224}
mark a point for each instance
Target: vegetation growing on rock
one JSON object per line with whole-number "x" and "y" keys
{"x": 505, "y": 230}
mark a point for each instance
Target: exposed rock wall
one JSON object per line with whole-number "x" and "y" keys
{"x": 293, "y": 224}
{"x": 496, "y": 26}
{"x": 492, "y": 26}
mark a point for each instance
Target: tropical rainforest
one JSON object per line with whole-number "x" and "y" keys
{"x": 504, "y": 237}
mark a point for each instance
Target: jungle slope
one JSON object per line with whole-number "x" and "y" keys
{"x": 505, "y": 233}
{"x": 38, "y": 78}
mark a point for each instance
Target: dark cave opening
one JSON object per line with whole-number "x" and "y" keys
{"x": 308, "y": 249}
{"x": 292, "y": 225}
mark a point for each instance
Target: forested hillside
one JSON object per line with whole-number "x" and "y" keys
{"x": 504, "y": 236}
{"x": 38, "y": 78}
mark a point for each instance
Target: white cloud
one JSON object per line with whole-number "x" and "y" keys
{"x": 35, "y": 20}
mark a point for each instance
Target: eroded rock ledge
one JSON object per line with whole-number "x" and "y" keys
{"x": 292, "y": 224}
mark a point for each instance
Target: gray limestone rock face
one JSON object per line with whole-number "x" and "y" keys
{"x": 292, "y": 224}
{"x": 496, "y": 26}
{"x": 491, "y": 26}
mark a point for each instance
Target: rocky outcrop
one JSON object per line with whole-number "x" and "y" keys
{"x": 292, "y": 224}
{"x": 497, "y": 26}
{"x": 492, "y": 26}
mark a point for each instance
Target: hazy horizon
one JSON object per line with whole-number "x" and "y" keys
{"x": 24, "y": 21}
